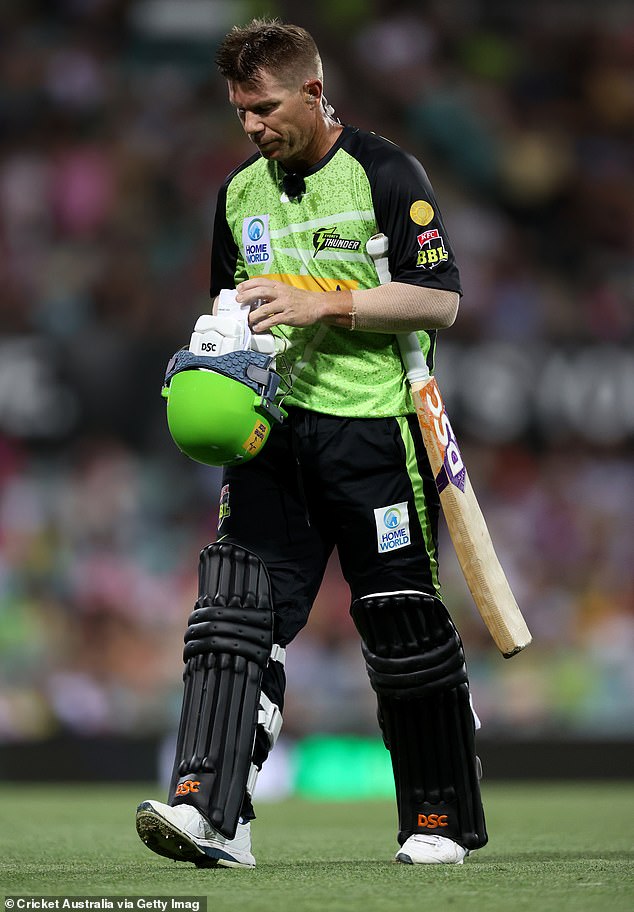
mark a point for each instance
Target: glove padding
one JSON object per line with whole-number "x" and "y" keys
{"x": 228, "y": 330}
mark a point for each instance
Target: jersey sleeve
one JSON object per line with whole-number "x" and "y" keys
{"x": 406, "y": 210}
{"x": 227, "y": 266}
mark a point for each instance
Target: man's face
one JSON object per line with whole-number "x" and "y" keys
{"x": 280, "y": 120}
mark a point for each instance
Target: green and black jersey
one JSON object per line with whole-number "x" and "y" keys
{"x": 364, "y": 185}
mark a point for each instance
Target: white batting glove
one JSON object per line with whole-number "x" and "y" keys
{"x": 216, "y": 335}
{"x": 228, "y": 331}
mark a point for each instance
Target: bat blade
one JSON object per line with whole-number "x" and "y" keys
{"x": 467, "y": 527}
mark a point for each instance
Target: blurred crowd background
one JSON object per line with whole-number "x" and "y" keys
{"x": 115, "y": 135}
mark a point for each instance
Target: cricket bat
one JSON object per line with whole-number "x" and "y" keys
{"x": 471, "y": 539}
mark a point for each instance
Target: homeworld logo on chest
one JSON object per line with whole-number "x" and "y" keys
{"x": 256, "y": 239}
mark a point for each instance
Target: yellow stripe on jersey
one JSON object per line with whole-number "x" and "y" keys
{"x": 313, "y": 283}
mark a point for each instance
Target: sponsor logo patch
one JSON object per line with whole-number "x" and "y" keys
{"x": 256, "y": 239}
{"x": 392, "y": 527}
{"x": 432, "y": 249}
{"x": 329, "y": 239}
{"x": 421, "y": 213}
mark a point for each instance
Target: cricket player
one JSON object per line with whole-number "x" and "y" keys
{"x": 345, "y": 469}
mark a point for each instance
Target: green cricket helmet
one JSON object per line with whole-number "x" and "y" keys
{"x": 220, "y": 409}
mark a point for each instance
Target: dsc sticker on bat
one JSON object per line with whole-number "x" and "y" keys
{"x": 453, "y": 470}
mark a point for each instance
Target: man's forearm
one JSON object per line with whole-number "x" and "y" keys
{"x": 390, "y": 308}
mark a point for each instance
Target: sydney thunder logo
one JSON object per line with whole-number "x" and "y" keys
{"x": 328, "y": 239}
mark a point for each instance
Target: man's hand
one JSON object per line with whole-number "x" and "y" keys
{"x": 280, "y": 303}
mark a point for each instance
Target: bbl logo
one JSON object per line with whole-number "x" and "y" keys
{"x": 224, "y": 509}
{"x": 432, "y": 249}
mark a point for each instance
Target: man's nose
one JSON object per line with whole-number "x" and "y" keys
{"x": 252, "y": 124}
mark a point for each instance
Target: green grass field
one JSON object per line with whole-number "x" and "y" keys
{"x": 552, "y": 847}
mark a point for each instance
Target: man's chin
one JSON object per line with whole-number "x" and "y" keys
{"x": 276, "y": 152}
{"x": 269, "y": 150}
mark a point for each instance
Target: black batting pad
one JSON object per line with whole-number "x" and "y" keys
{"x": 227, "y": 645}
{"x": 416, "y": 666}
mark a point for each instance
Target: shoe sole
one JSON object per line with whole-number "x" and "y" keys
{"x": 161, "y": 837}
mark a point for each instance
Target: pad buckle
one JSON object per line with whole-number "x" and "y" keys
{"x": 270, "y": 718}
{"x": 278, "y": 654}
{"x": 252, "y": 779}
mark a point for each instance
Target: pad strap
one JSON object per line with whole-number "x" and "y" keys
{"x": 269, "y": 720}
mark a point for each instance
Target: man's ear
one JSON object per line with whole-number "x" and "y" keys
{"x": 312, "y": 92}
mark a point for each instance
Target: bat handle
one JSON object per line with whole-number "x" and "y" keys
{"x": 413, "y": 358}
{"x": 415, "y": 365}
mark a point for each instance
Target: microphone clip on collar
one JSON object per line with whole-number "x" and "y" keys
{"x": 294, "y": 186}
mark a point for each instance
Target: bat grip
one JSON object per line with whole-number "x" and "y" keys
{"x": 413, "y": 358}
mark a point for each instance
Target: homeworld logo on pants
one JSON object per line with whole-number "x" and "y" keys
{"x": 392, "y": 527}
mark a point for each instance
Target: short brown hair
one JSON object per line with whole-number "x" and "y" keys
{"x": 268, "y": 45}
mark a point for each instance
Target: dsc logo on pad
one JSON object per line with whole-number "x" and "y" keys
{"x": 432, "y": 821}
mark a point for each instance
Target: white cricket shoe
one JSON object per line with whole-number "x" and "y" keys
{"x": 184, "y": 834}
{"x": 425, "y": 849}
